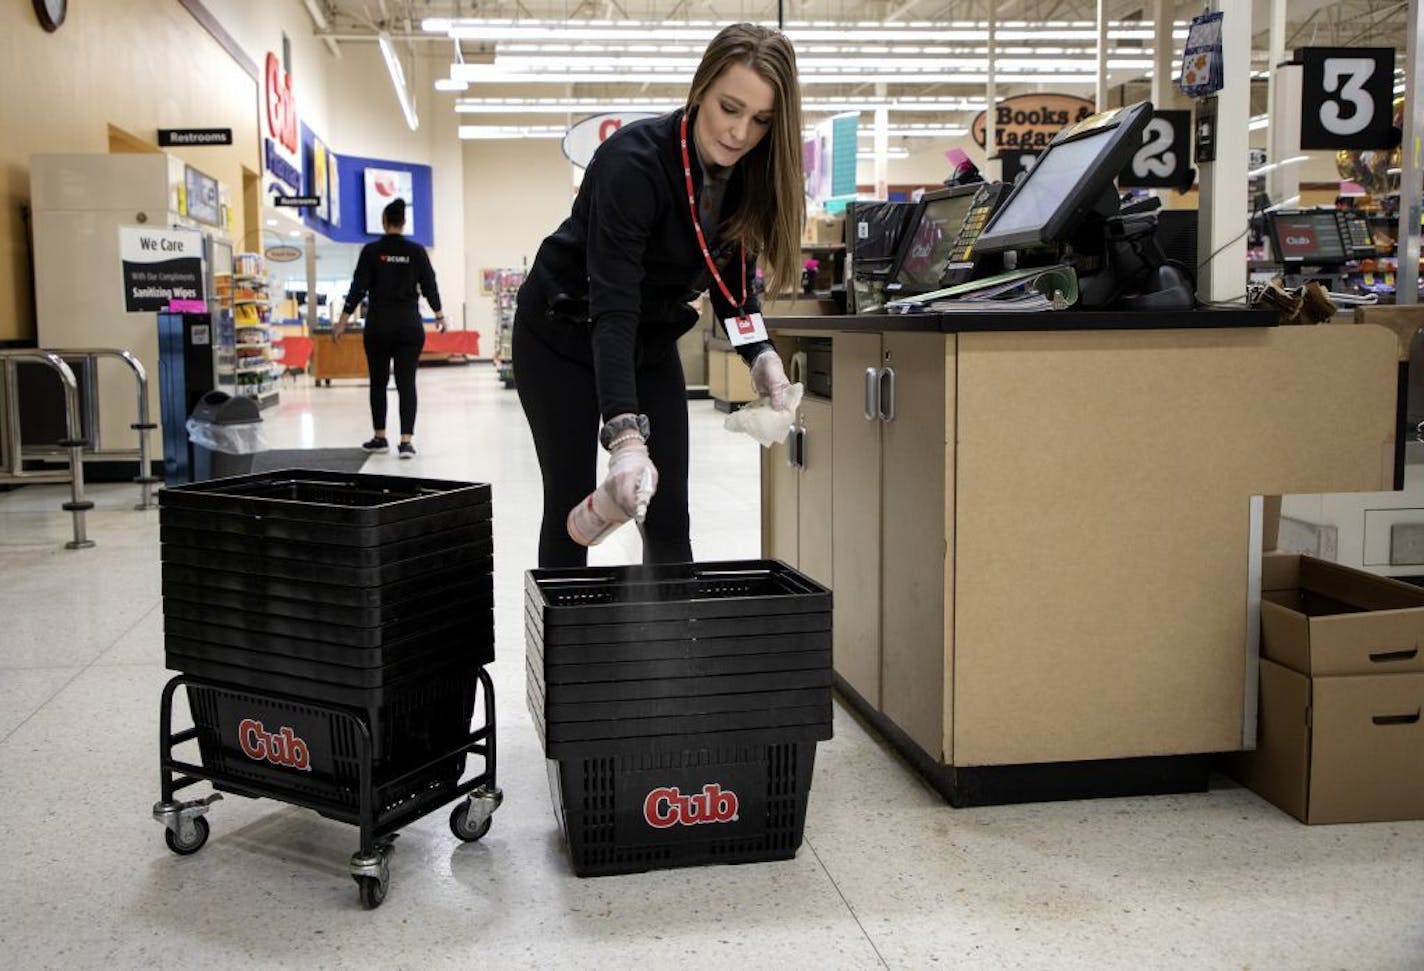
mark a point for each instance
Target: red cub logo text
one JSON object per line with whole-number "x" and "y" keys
{"x": 667, "y": 806}
{"x": 281, "y": 104}
{"x": 283, "y": 748}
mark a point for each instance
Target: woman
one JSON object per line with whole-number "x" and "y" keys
{"x": 391, "y": 269}
{"x": 668, "y": 207}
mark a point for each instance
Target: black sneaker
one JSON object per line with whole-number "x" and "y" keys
{"x": 406, "y": 450}
{"x": 376, "y": 445}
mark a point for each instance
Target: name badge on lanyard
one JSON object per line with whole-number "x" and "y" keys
{"x": 745, "y": 329}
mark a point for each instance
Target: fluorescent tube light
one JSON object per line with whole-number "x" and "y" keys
{"x": 1272, "y": 166}
{"x": 393, "y": 65}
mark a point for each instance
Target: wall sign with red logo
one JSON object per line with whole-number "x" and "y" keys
{"x": 583, "y": 139}
{"x": 279, "y": 146}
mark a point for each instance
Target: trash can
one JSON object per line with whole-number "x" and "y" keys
{"x": 225, "y": 432}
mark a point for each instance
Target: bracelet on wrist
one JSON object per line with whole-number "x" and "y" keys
{"x": 615, "y": 428}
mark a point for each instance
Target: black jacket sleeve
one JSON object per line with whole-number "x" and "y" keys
{"x": 360, "y": 280}
{"x": 621, "y": 215}
{"x": 426, "y": 275}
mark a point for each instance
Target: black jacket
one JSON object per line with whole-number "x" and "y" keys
{"x": 390, "y": 269}
{"x": 626, "y": 262}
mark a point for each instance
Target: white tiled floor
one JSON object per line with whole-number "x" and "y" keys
{"x": 888, "y": 874}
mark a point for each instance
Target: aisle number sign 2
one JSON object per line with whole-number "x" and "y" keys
{"x": 584, "y": 137}
{"x": 1165, "y": 158}
{"x": 1346, "y": 97}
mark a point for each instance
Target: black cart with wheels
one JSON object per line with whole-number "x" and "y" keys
{"x": 332, "y": 630}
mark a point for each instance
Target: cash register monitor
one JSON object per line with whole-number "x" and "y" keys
{"x": 928, "y": 244}
{"x": 1069, "y": 181}
{"x": 1308, "y": 236}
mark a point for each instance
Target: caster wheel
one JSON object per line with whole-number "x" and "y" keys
{"x": 372, "y": 891}
{"x": 182, "y": 848}
{"x": 460, "y": 824}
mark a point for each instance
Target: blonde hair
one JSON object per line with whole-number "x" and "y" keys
{"x": 772, "y": 206}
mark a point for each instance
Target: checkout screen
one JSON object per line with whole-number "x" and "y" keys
{"x": 1311, "y": 237}
{"x": 933, "y": 242}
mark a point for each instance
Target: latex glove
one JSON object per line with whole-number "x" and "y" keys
{"x": 769, "y": 379}
{"x": 764, "y": 423}
{"x": 632, "y": 477}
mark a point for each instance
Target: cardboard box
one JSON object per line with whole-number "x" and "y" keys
{"x": 1270, "y": 522}
{"x": 1324, "y": 619}
{"x": 1338, "y": 749}
{"x": 825, "y": 229}
{"x": 1340, "y": 736}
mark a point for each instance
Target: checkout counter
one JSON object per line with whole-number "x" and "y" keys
{"x": 1044, "y": 530}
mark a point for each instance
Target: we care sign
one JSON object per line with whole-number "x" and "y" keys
{"x": 159, "y": 267}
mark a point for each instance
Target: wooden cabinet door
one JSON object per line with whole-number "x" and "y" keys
{"x": 916, "y": 452}
{"x": 778, "y": 505}
{"x": 814, "y": 509}
{"x": 855, "y": 515}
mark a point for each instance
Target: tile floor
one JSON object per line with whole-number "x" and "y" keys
{"x": 888, "y": 875}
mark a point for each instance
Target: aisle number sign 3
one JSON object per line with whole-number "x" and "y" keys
{"x": 1346, "y": 97}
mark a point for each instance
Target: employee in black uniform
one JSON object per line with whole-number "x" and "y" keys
{"x": 390, "y": 270}
{"x": 669, "y": 207}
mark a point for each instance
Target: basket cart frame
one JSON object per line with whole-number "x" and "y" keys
{"x": 186, "y": 829}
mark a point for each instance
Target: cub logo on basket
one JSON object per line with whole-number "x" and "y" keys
{"x": 667, "y": 806}
{"x": 283, "y": 748}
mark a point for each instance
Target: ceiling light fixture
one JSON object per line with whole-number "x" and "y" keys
{"x": 850, "y": 74}
{"x": 393, "y": 65}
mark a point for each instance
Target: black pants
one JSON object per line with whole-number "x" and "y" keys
{"x": 553, "y": 372}
{"x": 401, "y": 341}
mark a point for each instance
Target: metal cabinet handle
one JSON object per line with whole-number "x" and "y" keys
{"x": 800, "y": 434}
{"x": 791, "y": 452}
{"x": 887, "y": 394}
{"x": 872, "y": 393}
{"x": 798, "y": 368}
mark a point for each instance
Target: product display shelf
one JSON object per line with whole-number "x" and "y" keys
{"x": 224, "y": 351}
{"x": 255, "y": 367}
{"x": 506, "y": 289}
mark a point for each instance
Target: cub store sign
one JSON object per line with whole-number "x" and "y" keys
{"x": 1028, "y": 122}
{"x": 279, "y": 147}
{"x": 583, "y": 139}
{"x": 159, "y": 267}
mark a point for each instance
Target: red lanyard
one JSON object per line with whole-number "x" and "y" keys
{"x": 702, "y": 240}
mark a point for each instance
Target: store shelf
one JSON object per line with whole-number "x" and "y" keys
{"x": 506, "y": 289}
{"x": 249, "y": 366}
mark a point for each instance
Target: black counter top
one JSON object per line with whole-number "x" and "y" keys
{"x": 1048, "y": 320}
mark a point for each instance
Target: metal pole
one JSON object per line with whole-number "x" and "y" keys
{"x": 1406, "y": 290}
{"x": 143, "y": 426}
{"x": 77, "y": 505}
{"x": 12, "y": 418}
{"x": 1221, "y": 241}
{"x": 1102, "y": 92}
{"x": 992, "y": 169}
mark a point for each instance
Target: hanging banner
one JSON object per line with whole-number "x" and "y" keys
{"x": 160, "y": 266}
{"x": 1346, "y": 98}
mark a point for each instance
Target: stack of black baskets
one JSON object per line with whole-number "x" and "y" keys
{"x": 332, "y": 630}
{"x": 679, "y": 707}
